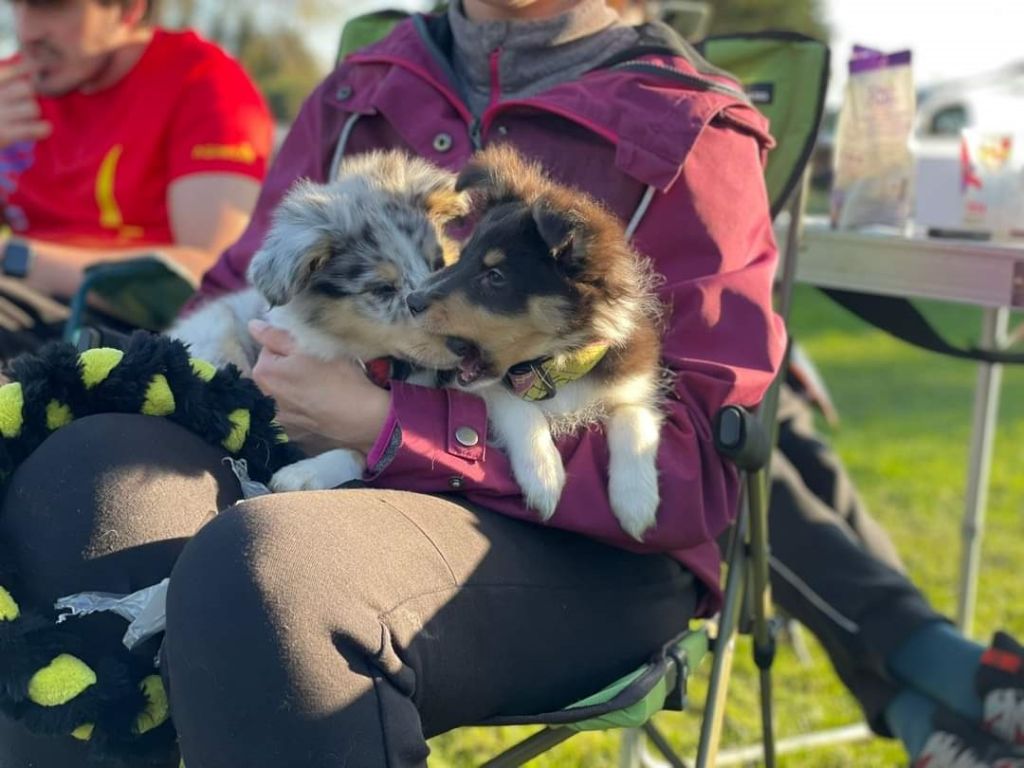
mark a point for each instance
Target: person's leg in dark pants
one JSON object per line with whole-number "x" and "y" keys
{"x": 430, "y": 609}
{"x": 104, "y": 504}
{"x": 346, "y": 627}
{"x": 833, "y": 566}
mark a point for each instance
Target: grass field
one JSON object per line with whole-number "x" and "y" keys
{"x": 905, "y": 434}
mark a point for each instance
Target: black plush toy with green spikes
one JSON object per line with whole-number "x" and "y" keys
{"x": 49, "y": 681}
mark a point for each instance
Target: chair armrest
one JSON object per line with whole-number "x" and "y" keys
{"x": 741, "y": 437}
{"x": 145, "y": 292}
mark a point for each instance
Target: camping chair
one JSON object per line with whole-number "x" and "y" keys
{"x": 786, "y": 76}
{"x": 145, "y": 292}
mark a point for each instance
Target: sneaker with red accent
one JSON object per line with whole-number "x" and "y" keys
{"x": 1000, "y": 685}
{"x": 959, "y": 743}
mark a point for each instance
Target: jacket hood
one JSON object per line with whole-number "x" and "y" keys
{"x": 652, "y": 101}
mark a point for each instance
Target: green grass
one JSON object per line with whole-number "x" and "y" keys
{"x": 906, "y": 422}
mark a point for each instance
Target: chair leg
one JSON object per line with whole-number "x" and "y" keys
{"x": 761, "y": 601}
{"x": 529, "y": 748}
{"x": 661, "y": 744}
{"x": 631, "y": 748}
{"x": 725, "y": 646}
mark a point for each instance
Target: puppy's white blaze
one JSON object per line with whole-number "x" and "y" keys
{"x": 309, "y": 338}
{"x": 633, "y": 438}
{"x": 319, "y": 473}
{"x": 524, "y": 433}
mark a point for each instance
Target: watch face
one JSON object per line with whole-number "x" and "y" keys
{"x": 16, "y": 259}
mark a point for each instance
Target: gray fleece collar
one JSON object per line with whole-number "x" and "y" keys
{"x": 533, "y": 55}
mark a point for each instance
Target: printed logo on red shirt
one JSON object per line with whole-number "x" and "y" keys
{"x": 239, "y": 153}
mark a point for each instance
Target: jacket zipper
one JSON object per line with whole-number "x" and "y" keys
{"x": 475, "y": 134}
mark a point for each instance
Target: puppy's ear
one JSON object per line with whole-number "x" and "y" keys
{"x": 294, "y": 248}
{"x": 500, "y": 173}
{"x": 480, "y": 176}
{"x": 445, "y": 204}
{"x": 428, "y": 186}
{"x": 561, "y": 231}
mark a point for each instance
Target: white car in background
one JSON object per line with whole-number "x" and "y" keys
{"x": 993, "y": 102}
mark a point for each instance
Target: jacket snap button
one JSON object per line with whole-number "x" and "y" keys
{"x": 503, "y": 130}
{"x": 467, "y": 436}
{"x": 455, "y": 483}
{"x": 343, "y": 92}
{"x": 443, "y": 142}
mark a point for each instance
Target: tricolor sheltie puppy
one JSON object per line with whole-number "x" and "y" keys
{"x": 552, "y": 316}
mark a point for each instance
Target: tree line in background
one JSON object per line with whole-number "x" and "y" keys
{"x": 268, "y": 39}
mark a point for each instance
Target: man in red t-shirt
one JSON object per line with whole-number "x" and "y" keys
{"x": 119, "y": 139}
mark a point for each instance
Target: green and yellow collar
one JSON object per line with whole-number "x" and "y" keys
{"x": 539, "y": 379}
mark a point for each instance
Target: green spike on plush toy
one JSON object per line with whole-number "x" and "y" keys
{"x": 12, "y": 406}
{"x": 242, "y": 420}
{"x": 159, "y": 398}
{"x": 58, "y": 415}
{"x": 60, "y": 681}
{"x": 96, "y": 364}
{"x": 157, "y": 709}
{"x": 204, "y": 370}
{"x": 9, "y": 609}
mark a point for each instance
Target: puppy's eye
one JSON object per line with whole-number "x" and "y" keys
{"x": 384, "y": 291}
{"x": 494, "y": 278}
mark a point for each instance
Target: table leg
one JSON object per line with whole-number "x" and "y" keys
{"x": 986, "y": 407}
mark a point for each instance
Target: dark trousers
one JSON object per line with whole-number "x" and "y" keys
{"x": 357, "y": 623}
{"x": 833, "y": 566}
{"x": 324, "y": 629}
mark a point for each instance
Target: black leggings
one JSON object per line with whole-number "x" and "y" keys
{"x": 323, "y": 629}
{"x": 834, "y": 567}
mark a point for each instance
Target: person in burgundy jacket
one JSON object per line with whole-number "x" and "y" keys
{"x": 348, "y": 626}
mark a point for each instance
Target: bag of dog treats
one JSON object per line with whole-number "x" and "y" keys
{"x": 874, "y": 165}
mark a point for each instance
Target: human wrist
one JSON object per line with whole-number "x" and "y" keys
{"x": 374, "y": 410}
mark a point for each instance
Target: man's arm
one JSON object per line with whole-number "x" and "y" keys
{"x": 208, "y": 212}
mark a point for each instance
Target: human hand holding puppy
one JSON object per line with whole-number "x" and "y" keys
{"x": 322, "y": 405}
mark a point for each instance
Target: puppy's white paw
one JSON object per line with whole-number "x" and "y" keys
{"x": 300, "y": 476}
{"x": 542, "y": 478}
{"x": 633, "y": 437}
{"x": 320, "y": 473}
{"x": 633, "y": 492}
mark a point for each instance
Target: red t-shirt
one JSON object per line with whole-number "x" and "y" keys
{"x": 101, "y": 177}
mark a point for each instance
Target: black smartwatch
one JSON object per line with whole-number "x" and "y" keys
{"x": 17, "y": 258}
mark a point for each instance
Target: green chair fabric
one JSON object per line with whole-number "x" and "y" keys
{"x": 633, "y": 699}
{"x": 785, "y": 75}
{"x": 361, "y": 31}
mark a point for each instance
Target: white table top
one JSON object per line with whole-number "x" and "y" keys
{"x": 979, "y": 273}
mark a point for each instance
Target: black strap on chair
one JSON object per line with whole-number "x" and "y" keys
{"x": 900, "y": 318}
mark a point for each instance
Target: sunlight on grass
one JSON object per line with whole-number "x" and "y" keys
{"x": 906, "y": 423}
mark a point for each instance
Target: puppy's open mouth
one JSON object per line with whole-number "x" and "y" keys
{"x": 472, "y": 364}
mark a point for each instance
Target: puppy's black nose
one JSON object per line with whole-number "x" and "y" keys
{"x": 418, "y": 301}
{"x": 460, "y": 347}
